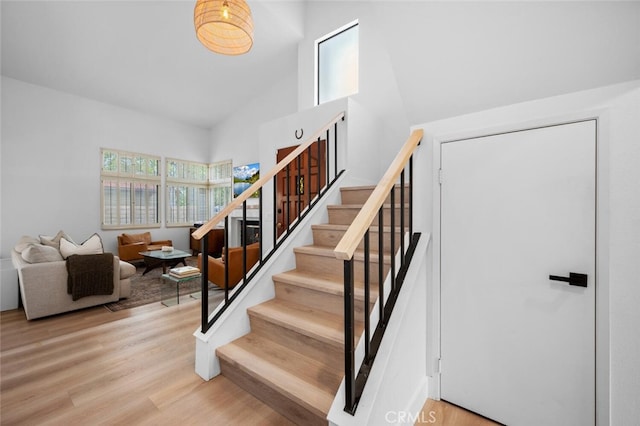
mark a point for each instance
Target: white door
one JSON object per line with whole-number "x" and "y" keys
{"x": 517, "y": 208}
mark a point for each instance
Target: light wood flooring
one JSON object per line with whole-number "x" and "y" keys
{"x": 129, "y": 367}
{"x": 133, "y": 367}
{"x": 441, "y": 413}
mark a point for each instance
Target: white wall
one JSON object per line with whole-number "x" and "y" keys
{"x": 238, "y": 137}
{"x": 618, "y": 110}
{"x": 453, "y": 57}
{"x": 624, "y": 255}
{"x": 378, "y": 91}
{"x": 51, "y": 160}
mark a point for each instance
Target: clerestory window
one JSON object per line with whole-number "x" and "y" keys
{"x": 337, "y": 64}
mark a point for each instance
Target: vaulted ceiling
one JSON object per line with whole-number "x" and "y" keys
{"x": 447, "y": 58}
{"x": 144, "y": 55}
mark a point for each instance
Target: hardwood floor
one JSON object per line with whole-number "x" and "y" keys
{"x": 441, "y": 413}
{"x": 134, "y": 366}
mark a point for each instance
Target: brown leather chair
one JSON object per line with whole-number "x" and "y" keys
{"x": 130, "y": 245}
{"x": 234, "y": 262}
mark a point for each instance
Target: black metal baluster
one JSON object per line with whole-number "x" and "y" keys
{"x": 298, "y": 177}
{"x": 326, "y": 174}
{"x": 349, "y": 350}
{"x": 275, "y": 209}
{"x": 367, "y": 297}
{"x": 335, "y": 150}
{"x": 226, "y": 256}
{"x": 319, "y": 166}
{"x": 204, "y": 285}
{"x": 393, "y": 237}
{"x": 381, "y": 264}
{"x": 411, "y": 198}
{"x": 307, "y": 184}
{"x": 402, "y": 213}
{"x": 288, "y": 197}
{"x": 244, "y": 242}
{"x": 260, "y": 224}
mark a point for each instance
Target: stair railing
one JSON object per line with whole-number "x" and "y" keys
{"x": 249, "y": 271}
{"x": 359, "y": 232}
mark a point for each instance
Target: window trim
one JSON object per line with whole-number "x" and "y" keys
{"x": 209, "y": 184}
{"x": 316, "y": 56}
{"x": 130, "y": 178}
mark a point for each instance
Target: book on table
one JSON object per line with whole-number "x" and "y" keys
{"x": 184, "y": 271}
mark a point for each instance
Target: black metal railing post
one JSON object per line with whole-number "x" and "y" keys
{"x": 402, "y": 213}
{"x": 319, "y": 162}
{"x": 393, "y": 236}
{"x": 204, "y": 287}
{"x": 367, "y": 298}
{"x": 260, "y": 224}
{"x": 381, "y": 264}
{"x": 226, "y": 256}
{"x": 275, "y": 209}
{"x": 244, "y": 242}
{"x": 349, "y": 350}
{"x": 335, "y": 150}
{"x": 411, "y": 195}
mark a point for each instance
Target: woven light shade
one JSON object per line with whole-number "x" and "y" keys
{"x": 224, "y": 26}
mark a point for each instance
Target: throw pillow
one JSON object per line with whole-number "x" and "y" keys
{"x": 136, "y": 238}
{"x": 24, "y": 242}
{"x": 39, "y": 253}
{"x": 54, "y": 241}
{"x": 93, "y": 245}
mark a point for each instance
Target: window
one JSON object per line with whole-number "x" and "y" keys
{"x": 195, "y": 191}
{"x": 337, "y": 64}
{"x": 130, "y": 187}
{"x": 187, "y": 184}
{"x": 220, "y": 185}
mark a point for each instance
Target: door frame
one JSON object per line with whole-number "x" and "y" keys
{"x": 602, "y": 372}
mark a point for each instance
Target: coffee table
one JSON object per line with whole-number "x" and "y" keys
{"x": 155, "y": 258}
{"x": 168, "y": 296}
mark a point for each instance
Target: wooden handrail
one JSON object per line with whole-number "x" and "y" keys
{"x": 205, "y": 228}
{"x": 352, "y": 237}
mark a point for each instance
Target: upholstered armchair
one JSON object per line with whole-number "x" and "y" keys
{"x": 234, "y": 262}
{"x": 130, "y": 245}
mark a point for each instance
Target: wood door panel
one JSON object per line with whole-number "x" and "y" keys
{"x": 303, "y": 183}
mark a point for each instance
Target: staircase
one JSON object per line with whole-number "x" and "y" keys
{"x": 293, "y": 358}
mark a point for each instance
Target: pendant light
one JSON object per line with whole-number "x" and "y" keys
{"x": 224, "y": 26}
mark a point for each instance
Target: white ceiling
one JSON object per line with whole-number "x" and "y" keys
{"x": 448, "y": 58}
{"x": 144, "y": 55}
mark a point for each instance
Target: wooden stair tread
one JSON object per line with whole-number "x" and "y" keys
{"x": 367, "y": 187}
{"x": 319, "y": 325}
{"x": 359, "y": 206}
{"x": 327, "y": 251}
{"x": 339, "y": 227}
{"x": 321, "y": 283}
{"x": 285, "y": 371}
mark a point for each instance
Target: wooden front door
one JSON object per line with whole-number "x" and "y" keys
{"x": 299, "y": 183}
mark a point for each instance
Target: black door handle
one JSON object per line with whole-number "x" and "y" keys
{"x": 579, "y": 280}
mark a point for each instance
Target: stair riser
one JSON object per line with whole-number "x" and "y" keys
{"x": 330, "y": 238}
{"x": 346, "y": 215}
{"x": 328, "y": 302}
{"x": 360, "y": 196}
{"x": 335, "y": 268}
{"x": 269, "y": 396}
{"x": 306, "y": 345}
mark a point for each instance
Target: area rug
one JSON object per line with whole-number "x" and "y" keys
{"x": 147, "y": 288}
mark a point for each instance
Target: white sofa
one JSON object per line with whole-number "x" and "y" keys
{"x": 43, "y": 284}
